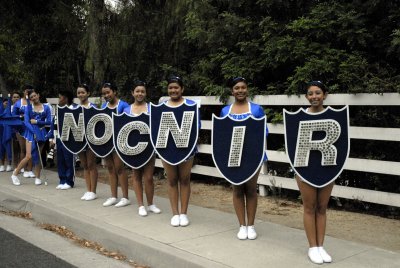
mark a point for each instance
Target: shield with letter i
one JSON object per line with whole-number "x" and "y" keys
{"x": 238, "y": 147}
{"x": 99, "y": 130}
{"x": 174, "y": 131}
{"x": 71, "y": 128}
{"x": 317, "y": 144}
{"x": 132, "y": 139}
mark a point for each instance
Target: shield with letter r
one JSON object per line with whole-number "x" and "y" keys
{"x": 317, "y": 144}
{"x": 238, "y": 147}
{"x": 132, "y": 139}
{"x": 71, "y": 128}
{"x": 99, "y": 130}
{"x": 174, "y": 131}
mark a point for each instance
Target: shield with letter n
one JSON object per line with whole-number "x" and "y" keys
{"x": 71, "y": 128}
{"x": 174, "y": 131}
{"x": 238, "y": 147}
{"x": 132, "y": 139}
{"x": 99, "y": 130}
{"x": 317, "y": 144}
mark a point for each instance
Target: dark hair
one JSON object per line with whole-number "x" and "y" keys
{"x": 139, "y": 83}
{"x": 110, "y": 86}
{"x": 68, "y": 94}
{"x": 15, "y": 92}
{"x": 32, "y": 90}
{"x": 316, "y": 83}
{"x": 233, "y": 81}
{"x": 175, "y": 79}
{"x": 27, "y": 87}
{"x": 85, "y": 86}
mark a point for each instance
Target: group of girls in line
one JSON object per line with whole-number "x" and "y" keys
{"x": 315, "y": 200}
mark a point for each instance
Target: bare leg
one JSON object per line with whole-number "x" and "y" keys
{"x": 184, "y": 170}
{"x": 323, "y": 199}
{"x": 148, "y": 180}
{"x": 251, "y": 198}
{"x": 173, "y": 193}
{"x": 137, "y": 185}
{"x": 38, "y": 167}
{"x": 112, "y": 175}
{"x": 91, "y": 164}
{"x": 309, "y": 197}
{"x": 24, "y": 161}
{"x": 121, "y": 174}
{"x": 238, "y": 203}
{"x": 86, "y": 174}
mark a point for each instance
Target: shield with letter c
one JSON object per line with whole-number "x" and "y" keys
{"x": 132, "y": 139}
{"x": 317, "y": 144}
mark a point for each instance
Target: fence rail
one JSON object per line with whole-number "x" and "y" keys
{"x": 356, "y": 132}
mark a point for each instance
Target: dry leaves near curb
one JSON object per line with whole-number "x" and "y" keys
{"x": 20, "y": 214}
{"x": 64, "y": 232}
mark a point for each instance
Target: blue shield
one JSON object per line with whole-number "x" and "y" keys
{"x": 98, "y": 132}
{"x": 71, "y": 128}
{"x": 317, "y": 144}
{"x": 238, "y": 147}
{"x": 174, "y": 131}
{"x": 132, "y": 139}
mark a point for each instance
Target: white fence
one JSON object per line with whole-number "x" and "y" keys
{"x": 354, "y": 164}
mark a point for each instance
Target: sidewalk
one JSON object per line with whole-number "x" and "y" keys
{"x": 209, "y": 241}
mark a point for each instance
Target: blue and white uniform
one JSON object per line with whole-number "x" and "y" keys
{"x": 254, "y": 109}
{"x": 128, "y": 109}
{"x": 37, "y": 132}
{"x": 120, "y": 106}
{"x": 191, "y": 102}
{"x": 18, "y": 109}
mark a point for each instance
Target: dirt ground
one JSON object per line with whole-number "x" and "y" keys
{"x": 363, "y": 228}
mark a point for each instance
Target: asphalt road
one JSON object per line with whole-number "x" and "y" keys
{"x": 15, "y": 252}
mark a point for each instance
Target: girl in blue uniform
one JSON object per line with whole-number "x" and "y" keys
{"x": 6, "y": 139}
{"x": 139, "y": 106}
{"x": 178, "y": 174}
{"x": 114, "y": 164}
{"x": 19, "y": 109}
{"x": 87, "y": 157}
{"x": 17, "y": 151}
{"x": 36, "y": 117}
{"x": 244, "y": 195}
{"x": 315, "y": 200}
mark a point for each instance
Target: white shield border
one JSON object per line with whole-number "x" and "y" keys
{"x": 348, "y": 142}
{"x": 238, "y": 120}
{"x": 197, "y": 132}
{"x": 115, "y": 146}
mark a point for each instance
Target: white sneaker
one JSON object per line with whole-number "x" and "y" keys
{"x": 154, "y": 209}
{"x": 324, "y": 255}
{"x": 242, "y": 234}
{"x": 110, "y": 201}
{"x": 22, "y": 170}
{"x": 175, "y": 221}
{"x": 31, "y": 174}
{"x": 59, "y": 187}
{"x": 123, "y": 202}
{"x": 38, "y": 181}
{"x": 15, "y": 180}
{"x": 9, "y": 168}
{"x": 26, "y": 174}
{"x": 65, "y": 186}
{"x": 183, "y": 220}
{"x": 84, "y": 196}
{"x": 251, "y": 232}
{"x": 90, "y": 196}
{"x": 2, "y": 168}
{"x": 315, "y": 257}
{"x": 142, "y": 211}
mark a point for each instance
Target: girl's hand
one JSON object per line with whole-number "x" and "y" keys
{"x": 33, "y": 121}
